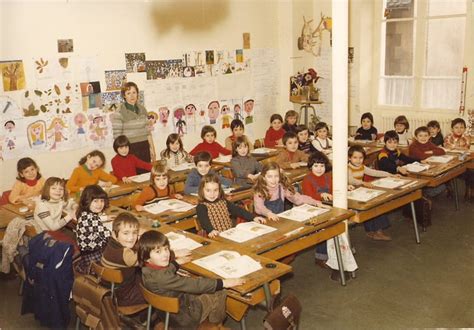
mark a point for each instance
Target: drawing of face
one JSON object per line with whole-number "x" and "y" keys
{"x": 97, "y": 121}
{"x": 57, "y": 125}
{"x": 190, "y": 110}
{"x": 9, "y": 126}
{"x": 79, "y": 119}
{"x": 237, "y": 108}
{"x": 248, "y": 106}
{"x": 164, "y": 113}
{"x": 36, "y": 131}
{"x": 151, "y": 119}
{"x": 179, "y": 113}
{"x": 225, "y": 109}
{"x": 213, "y": 108}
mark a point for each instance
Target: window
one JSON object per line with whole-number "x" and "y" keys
{"x": 422, "y": 50}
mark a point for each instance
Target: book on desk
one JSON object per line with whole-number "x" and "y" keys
{"x": 229, "y": 264}
{"x": 246, "y": 231}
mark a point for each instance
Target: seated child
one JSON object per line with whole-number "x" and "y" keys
{"x": 435, "y": 133}
{"x": 458, "y": 139}
{"x": 402, "y": 126}
{"x": 120, "y": 253}
{"x": 158, "y": 188}
{"x": 216, "y": 214}
{"x": 274, "y": 135}
{"x": 304, "y": 142}
{"x": 291, "y": 120}
{"x": 203, "y": 166}
{"x": 89, "y": 172}
{"x": 291, "y": 157}
{"x": 271, "y": 190}
{"x": 244, "y": 167}
{"x": 237, "y": 128}
{"x": 174, "y": 154}
{"x": 390, "y": 159}
{"x": 209, "y": 144}
{"x": 367, "y": 131}
{"x": 200, "y": 299}
{"x": 28, "y": 183}
{"x": 321, "y": 140}
{"x": 422, "y": 147}
{"x": 48, "y": 214}
{"x": 125, "y": 164}
{"x": 92, "y": 235}
{"x": 356, "y": 170}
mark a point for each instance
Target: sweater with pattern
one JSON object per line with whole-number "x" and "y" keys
{"x": 173, "y": 159}
{"x": 452, "y": 141}
{"x": 220, "y": 215}
{"x": 91, "y": 233}
{"x": 355, "y": 174}
{"x": 48, "y": 215}
{"x": 151, "y": 193}
{"x": 130, "y": 123}
{"x": 390, "y": 160}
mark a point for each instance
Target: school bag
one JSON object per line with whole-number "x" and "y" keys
{"x": 285, "y": 316}
{"x": 95, "y": 306}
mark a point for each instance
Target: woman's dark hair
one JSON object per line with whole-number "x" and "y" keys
{"x": 93, "y": 153}
{"x": 88, "y": 195}
{"x": 23, "y": 164}
{"x": 356, "y": 149}
{"x": 121, "y": 141}
{"x": 317, "y": 157}
{"x": 148, "y": 242}
{"x": 367, "y": 115}
{"x": 128, "y": 86}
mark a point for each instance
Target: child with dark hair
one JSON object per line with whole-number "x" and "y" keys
{"x": 458, "y": 139}
{"x": 125, "y": 164}
{"x": 422, "y": 147}
{"x": 291, "y": 121}
{"x": 203, "y": 161}
{"x": 321, "y": 141}
{"x": 238, "y": 129}
{"x": 367, "y": 131}
{"x": 90, "y": 172}
{"x": 174, "y": 154}
{"x": 304, "y": 142}
{"x": 201, "y": 300}
{"x": 92, "y": 235}
{"x": 435, "y": 133}
{"x": 390, "y": 158}
{"x": 291, "y": 157}
{"x": 245, "y": 168}
{"x": 209, "y": 144}
{"x": 28, "y": 183}
{"x": 274, "y": 135}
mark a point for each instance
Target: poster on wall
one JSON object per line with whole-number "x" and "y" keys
{"x": 65, "y": 45}
{"x": 135, "y": 62}
{"x": 13, "y": 75}
{"x": 115, "y": 79}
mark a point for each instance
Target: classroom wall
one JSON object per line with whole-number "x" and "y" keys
{"x": 161, "y": 29}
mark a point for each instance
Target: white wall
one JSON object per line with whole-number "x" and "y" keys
{"x": 108, "y": 29}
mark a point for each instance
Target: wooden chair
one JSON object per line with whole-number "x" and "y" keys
{"x": 179, "y": 187}
{"x": 227, "y": 173}
{"x": 115, "y": 276}
{"x": 162, "y": 303}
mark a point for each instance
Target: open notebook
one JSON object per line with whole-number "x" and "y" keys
{"x": 229, "y": 264}
{"x": 262, "y": 151}
{"x": 416, "y": 167}
{"x": 363, "y": 194}
{"x": 222, "y": 159}
{"x": 141, "y": 177}
{"x": 440, "y": 159}
{"x": 174, "y": 205}
{"x": 183, "y": 167}
{"x": 179, "y": 241}
{"x": 303, "y": 212}
{"x": 246, "y": 231}
{"x": 390, "y": 183}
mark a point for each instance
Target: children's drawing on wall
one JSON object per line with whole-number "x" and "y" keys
{"x": 13, "y": 75}
{"x": 152, "y": 119}
{"x": 213, "y": 109}
{"x": 65, "y": 45}
{"x": 57, "y": 132}
{"x": 86, "y": 69}
{"x": 114, "y": 79}
{"x": 91, "y": 97}
{"x": 179, "y": 122}
{"x": 164, "y": 113}
{"x": 188, "y": 71}
{"x": 210, "y": 61}
{"x": 97, "y": 128}
{"x": 226, "y": 116}
{"x": 190, "y": 113}
{"x": 9, "y": 107}
{"x": 246, "y": 40}
{"x": 175, "y": 68}
{"x": 80, "y": 122}
{"x": 59, "y": 98}
{"x": 135, "y": 62}
{"x": 248, "y": 108}
{"x": 237, "y": 107}
{"x": 36, "y": 132}
{"x": 311, "y": 37}
{"x": 10, "y": 135}
{"x": 156, "y": 70}
{"x": 111, "y": 101}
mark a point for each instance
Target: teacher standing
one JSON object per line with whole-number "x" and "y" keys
{"x": 130, "y": 119}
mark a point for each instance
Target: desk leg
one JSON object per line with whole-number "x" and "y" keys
{"x": 415, "y": 224}
{"x": 456, "y": 197}
{"x": 268, "y": 295}
{"x": 339, "y": 260}
{"x": 243, "y": 326}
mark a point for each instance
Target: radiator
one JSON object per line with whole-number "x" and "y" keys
{"x": 417, "y": 121}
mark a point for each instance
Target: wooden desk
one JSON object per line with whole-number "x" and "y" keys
{"x": 122, "y": 189}
{"x": 297, "y": 174}
{"x": 15, "y": 208}
{"x": 390, "y": 200}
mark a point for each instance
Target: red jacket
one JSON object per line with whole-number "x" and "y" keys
{"x": 271, "y": 136}
{"x": 213, "y": 148}
{"x": 313, "y": 185}
{"x": 127, "y": 166}
{"x": 418, "y": 151}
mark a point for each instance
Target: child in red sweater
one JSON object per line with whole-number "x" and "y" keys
{"x": 209, "y": 144}
{"x": 422, "y": 147}
{"x": 274, "y": 135}
{"x": 125, "y": 164}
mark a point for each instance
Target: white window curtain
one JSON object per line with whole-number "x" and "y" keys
{"x": 396, "y": 91}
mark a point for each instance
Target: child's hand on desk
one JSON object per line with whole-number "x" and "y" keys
{"x": 350, "y": 187}
{"x": 139, "y": 208}
{"x": 178, "y": 196}
{"x": 260, "y": 220}
{"x": 367, "y": 184}
{"x": 181, "y": 253}
{"x": 231, "y": 282}
{"x": 402, "y": 170}
{"x": 213, "y": 234}
{"x": 272, "y": 216}
{"x": 183, "y": 260}
{"x": 326, "y": 197}
{"x": 126, "y": 180}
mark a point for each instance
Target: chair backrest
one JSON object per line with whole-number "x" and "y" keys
{"x": 179, "y": 186}
{"x": 165, "y": 304}
{"x": 4, "y": 199}
{"x": 30, "y": 231}
{"x": 108, "y": 274}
